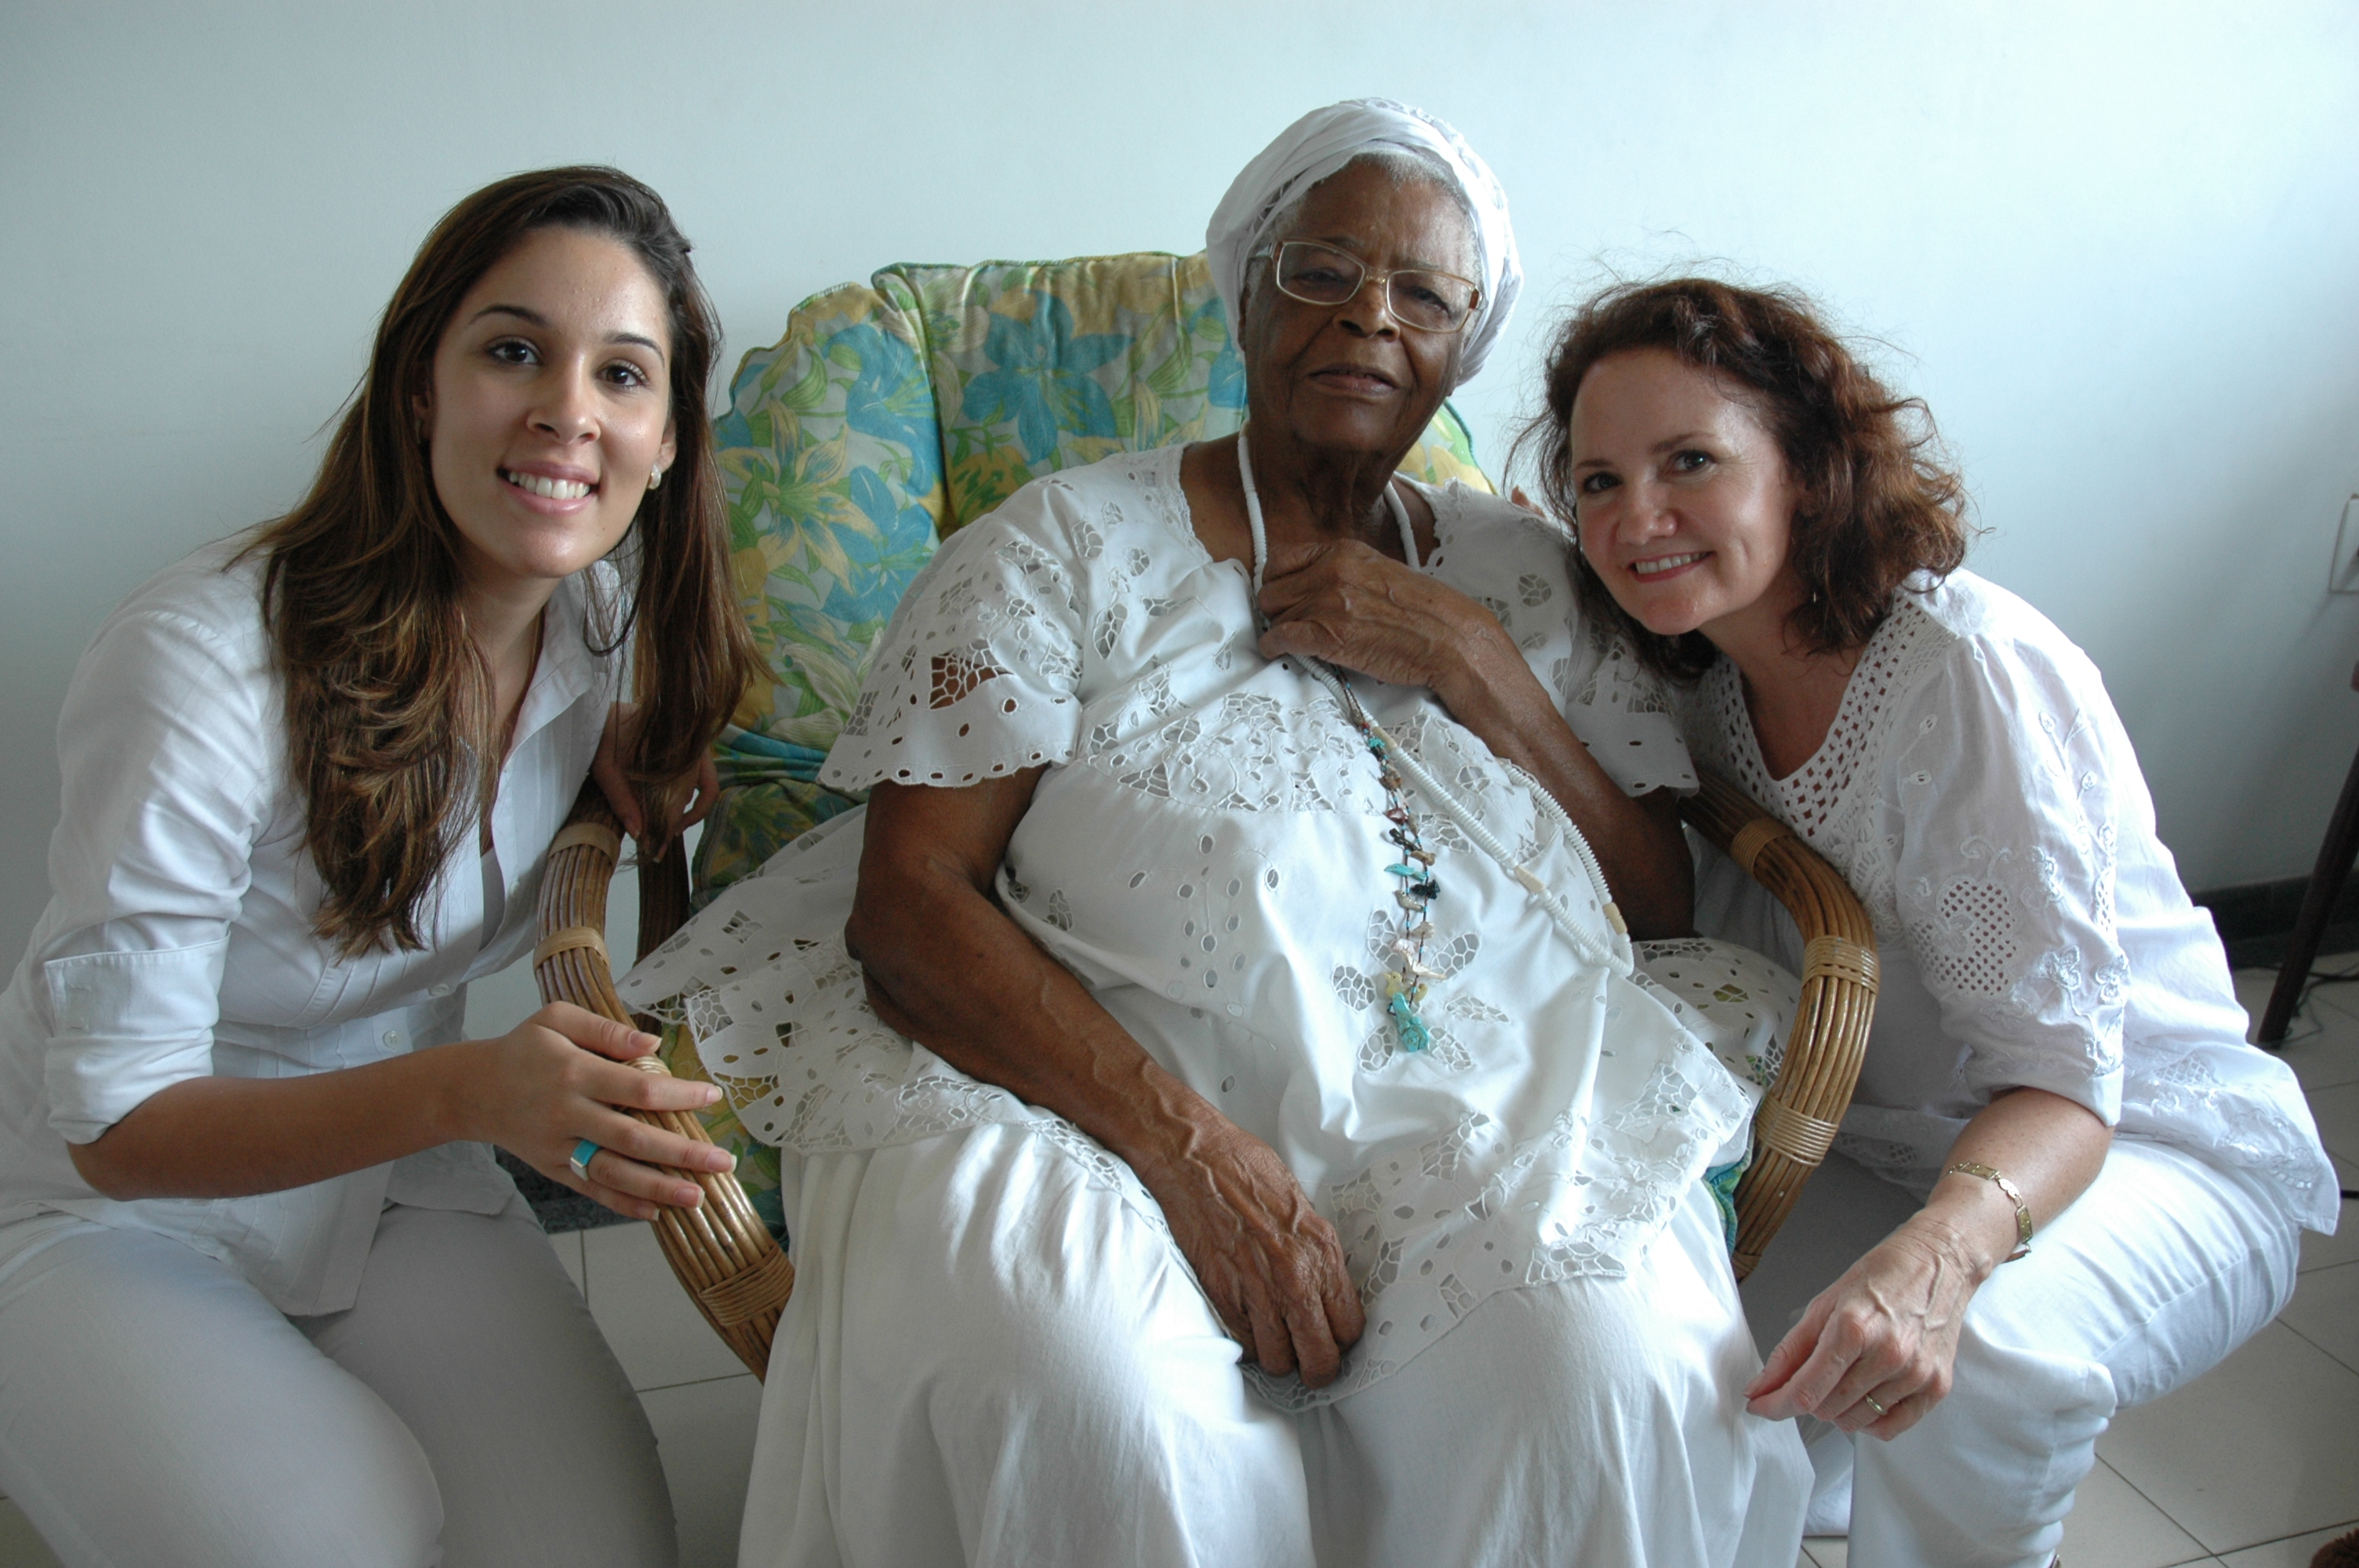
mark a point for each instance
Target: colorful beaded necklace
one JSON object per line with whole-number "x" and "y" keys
{"x": 1407, "y": 978}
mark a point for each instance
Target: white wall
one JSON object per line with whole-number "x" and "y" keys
{"x": 2117, "y": 247}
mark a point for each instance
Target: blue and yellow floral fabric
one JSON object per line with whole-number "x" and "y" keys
{"x": 888, "y": 416}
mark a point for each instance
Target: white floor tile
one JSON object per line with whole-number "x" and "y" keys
{"x": 2330, "y": 1057}
{"x": 569, "y": 1252}
{"x": 2113, "y": 1526}
{"x": 2337, "y": 1110}
{"x": 2294, "y": 1552}
{"x": 1828, "y": 1551}
{"x": 2343, "y": 1246}
{"x": 2323, "y": 1045}
{"x": 657, "y": 1334}
{"x": 20, "y": 1547}
{"x": 2264, "y": 1444}
{"x": 2325, "y": 1311}
{"x": 705, "y": 1434}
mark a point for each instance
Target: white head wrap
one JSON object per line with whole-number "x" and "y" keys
{"x": 1323, "y": 141}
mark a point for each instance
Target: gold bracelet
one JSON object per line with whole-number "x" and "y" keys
{"x": 2022, "y": 1209}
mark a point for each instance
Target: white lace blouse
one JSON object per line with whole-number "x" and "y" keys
{"x": 1979, "y": 792}
{"x": 1207, "y": 852}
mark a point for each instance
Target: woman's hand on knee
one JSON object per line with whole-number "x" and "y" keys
{"x": 558, "y": 1079}
{"x": 1269, "y": 1262}
{"x": 1876, "y": 1349}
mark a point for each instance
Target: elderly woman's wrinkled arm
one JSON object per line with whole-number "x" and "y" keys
{"x": 947, "y": 968}
{"x": 1356, "y": 607}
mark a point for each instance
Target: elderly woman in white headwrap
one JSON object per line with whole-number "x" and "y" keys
{"x": 1227, "y": 1128}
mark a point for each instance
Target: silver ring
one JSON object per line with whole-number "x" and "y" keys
{"x": 583, "y": 1152}
{"x": 1869, "y": 1400}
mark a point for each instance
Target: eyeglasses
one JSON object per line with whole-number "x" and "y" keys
{"x": 1322, "y": 274}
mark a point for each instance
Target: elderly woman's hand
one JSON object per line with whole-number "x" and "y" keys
{"x": 1269, "y": 1262}
{"x": 1886, "y": 1332}
{"x": 946, "y": 966}
{"x": 1356, "y": 608}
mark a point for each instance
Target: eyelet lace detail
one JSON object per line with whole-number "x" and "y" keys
{"x": 1208, "y": 861}
{"x": 2002, "y": 897}
{"x": 1823, "y": 801}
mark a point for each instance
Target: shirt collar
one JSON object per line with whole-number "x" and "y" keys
{"x": 570, "y": 669}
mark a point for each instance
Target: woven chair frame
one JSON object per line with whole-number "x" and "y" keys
{"x": 1797, "y": 1122}
{"x": 732, "y": 1266}
{"x": 739, "y": 1279}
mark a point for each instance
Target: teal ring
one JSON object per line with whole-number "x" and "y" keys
{"x": 583, "y": 1152}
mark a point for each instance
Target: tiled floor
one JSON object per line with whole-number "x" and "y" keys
{"x": 2257, "y": 1462}
{"x": 2251, "y": 1467}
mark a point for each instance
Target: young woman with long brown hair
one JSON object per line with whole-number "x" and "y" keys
{"x": 265, "y": 1297}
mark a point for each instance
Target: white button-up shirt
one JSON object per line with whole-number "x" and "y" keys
{"x": 179, "y": 942}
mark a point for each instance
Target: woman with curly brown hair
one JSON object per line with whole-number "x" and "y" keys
{"x": 265, "y": 1297}
{"x": 2057, "y": 1076}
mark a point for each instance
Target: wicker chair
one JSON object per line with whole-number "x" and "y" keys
{"x": 887, "y": 416}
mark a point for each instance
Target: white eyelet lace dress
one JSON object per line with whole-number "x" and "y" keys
{"x": 1979, "y": 792}
{"x": 1207, "y": 852}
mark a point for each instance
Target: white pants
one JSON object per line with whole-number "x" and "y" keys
{"x": 154, "y": 1408}
{"x": 989, "y": 1361}
{"x": 2165, "y": 1265}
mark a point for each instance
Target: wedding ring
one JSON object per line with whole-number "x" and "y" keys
{"x": 1869, "y": 1400}
{"x": 583, "y": 1152}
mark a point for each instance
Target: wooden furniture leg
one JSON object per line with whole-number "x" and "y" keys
{"x": 2326, "y": 880}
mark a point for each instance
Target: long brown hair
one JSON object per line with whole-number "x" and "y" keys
{"x": 387, "y": 698}
{"x": 1880, "y": 504}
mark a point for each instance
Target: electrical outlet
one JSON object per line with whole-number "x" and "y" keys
{"x": 2344, "y": 577}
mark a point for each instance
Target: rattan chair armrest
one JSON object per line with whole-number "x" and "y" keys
{"x": 726, "y": 1256}
{"x": 1797, "y": 1122}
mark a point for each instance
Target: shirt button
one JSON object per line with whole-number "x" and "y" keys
{"x": 442, "y": 988}
{"x": 392, "y": 1037}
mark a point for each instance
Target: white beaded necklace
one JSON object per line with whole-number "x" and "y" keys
{"x": 1406, "y": 984}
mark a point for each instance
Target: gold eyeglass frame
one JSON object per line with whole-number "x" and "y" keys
{"x": 1275, "y": 255}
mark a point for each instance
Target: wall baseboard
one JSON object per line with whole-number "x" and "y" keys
{"x": 2256, "y": 919}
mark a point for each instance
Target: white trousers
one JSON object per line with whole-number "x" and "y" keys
{"x": 154, "y": 1408}
{"x": 989, "y": 1361}
{"x": 2165, "y": 1265}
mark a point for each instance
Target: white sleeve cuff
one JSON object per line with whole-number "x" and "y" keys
{"x": 124, "y": 1025}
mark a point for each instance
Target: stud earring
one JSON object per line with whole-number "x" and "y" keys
{"x": 655, "y": 476}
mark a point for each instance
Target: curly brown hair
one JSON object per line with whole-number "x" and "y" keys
{"x": 387, "y": 698}
{"x": 1880, "y": 503}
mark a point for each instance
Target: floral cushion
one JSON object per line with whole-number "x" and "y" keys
{"x": 889, "y": 415}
